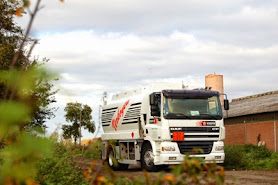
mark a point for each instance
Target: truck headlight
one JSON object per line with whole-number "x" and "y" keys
{"x": 168, "y": 148}
{"x": 219, "y": 148}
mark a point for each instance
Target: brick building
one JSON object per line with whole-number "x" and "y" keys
{"x": 253, "y": 119}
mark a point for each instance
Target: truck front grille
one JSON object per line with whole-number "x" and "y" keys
{"x": 208, "y": 133}
{"x": 188, "y": 147}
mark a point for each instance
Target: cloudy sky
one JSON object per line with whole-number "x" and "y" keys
{"x": 116, "y": 45}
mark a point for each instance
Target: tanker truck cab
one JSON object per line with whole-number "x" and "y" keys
{"x": 158, "y": 127}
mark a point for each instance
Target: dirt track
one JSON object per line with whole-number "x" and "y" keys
{"x": 251, "y": 177}
{"x": 232, "y": 177}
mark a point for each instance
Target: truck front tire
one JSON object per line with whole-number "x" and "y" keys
{"x": 113, "y": 163}
{"x": 147, "y": 158}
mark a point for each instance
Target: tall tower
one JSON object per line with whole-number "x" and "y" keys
{"x": 215, "y": 81}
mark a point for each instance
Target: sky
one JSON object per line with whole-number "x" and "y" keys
{"x": 110, "y": 46}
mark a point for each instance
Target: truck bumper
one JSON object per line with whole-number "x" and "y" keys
{"x": 179, "y": 158}
{"x": 175, "y": 157}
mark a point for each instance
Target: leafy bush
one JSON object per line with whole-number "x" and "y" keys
{"x": 93, "y": 150}
{"x": 257, "y": 152}
{"x": 75, "y": 150}
{"x": 234, "y": 157}
{"x": 59, "y": 169}
{"x": 191, "y": 171}
{"x": 273, "y": 161}
{"x": 1, "y": 160}
{"x": 250, "y": 157}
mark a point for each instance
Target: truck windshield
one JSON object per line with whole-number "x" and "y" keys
{"x": 192, "y": 108}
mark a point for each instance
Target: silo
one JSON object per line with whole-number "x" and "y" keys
{"x": 215, "y": 81}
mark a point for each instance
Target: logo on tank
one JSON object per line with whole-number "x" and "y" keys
{"x": 119, "y": 115}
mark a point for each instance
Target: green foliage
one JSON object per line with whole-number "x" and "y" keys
{"x": 19, "y": 150}
{"x": 17, "y": 73}
{"x": 11, "y": 114}
{"x": 59, "y": 169}
{"x": 250, "y": 157}
{"x": 127, "y": 181}
{"x": 77, "y": 114}
{"x": 31, "y": 88}
{"x": 70, "y": 131}
{"x": 191, "y": 171}
{"x": 77, "y": 111}
{"x": 21, "y": 155}
{"x": 272, "y": 161}
{"x": 42, "y": 96}
{"x": 54, "y": 137}
{"x": 234, "y": 157}
{"x": 24, "y": 91}
{"x": 256, "y": 152}
{"x": 93, "y": 151}
{"x": 10, "y": 35}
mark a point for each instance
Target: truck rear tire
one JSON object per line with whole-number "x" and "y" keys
{"x": 147, "y": 158}
{"x": 112, "y": 161}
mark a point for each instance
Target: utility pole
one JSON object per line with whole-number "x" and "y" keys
{"x": 80, "y": 126}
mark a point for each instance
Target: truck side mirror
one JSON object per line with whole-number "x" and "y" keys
{"x": 226, "y": 104}
{"x": 154, "y": 103}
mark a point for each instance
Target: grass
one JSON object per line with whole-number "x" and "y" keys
{"x": 60, "y": 168}
{"x": 250, "y": 157}
{"x": 93, "y": 151}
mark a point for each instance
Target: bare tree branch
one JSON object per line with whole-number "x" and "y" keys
{"x": 15, "y": 58}
{"x": 30, "y": 51}
{"x": 37, "y": 7}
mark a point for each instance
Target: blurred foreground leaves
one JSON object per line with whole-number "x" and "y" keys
{"x": 20, "y": 158}
{"x": 20, "y": 150}
{"x": 25, "y": 93}
{"x": 190, "y": 171}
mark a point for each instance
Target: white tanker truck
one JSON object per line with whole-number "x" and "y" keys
{"x": 158, "y": 125}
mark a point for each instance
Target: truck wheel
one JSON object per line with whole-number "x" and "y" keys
{"x": 113, "y": 163}
{"x": 147, "y": 159}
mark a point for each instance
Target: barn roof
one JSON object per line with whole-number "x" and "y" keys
{"x": 259, "y": 103}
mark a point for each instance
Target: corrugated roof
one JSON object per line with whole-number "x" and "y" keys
{"x": 259, "y": 103}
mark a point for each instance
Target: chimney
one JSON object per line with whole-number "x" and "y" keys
{"x": 215, "y": 81}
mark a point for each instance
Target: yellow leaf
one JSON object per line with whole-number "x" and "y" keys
{"x": 8, "y": 181}
{"x": 100, "y": 179}
{"x": 196, "y": 163}
{"x": 18, "y": 12}
{"x": 86, "y": 174}
{"x": 221, "y": 171}
{"x": 169, "y": 178}
{"x": 93, "y": 164}
{"x": 30, "y": 181}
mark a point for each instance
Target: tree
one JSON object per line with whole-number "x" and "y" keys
{"x": 79, "y": 116}
{"x": 42, "y": 97}
{"x": 19, "y": 150}
{"x": 10, "y": 34}
{"x": 11, "y": 43}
